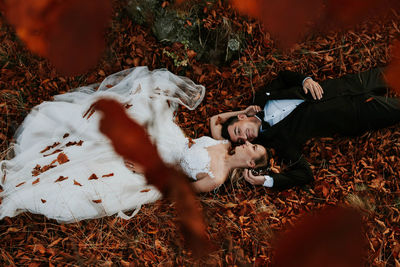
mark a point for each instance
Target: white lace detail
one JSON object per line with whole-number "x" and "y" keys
{"x": 195, "y": 159}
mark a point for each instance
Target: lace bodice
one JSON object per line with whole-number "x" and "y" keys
{"x": 195, "y": 159}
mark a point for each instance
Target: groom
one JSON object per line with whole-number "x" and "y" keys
{"x": 296, "y": 108}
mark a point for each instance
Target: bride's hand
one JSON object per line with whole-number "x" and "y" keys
{"x": 253, "y": 179}
{"x": 252, "y": 110}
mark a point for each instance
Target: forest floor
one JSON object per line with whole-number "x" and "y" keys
{"x": 242, "y": 220}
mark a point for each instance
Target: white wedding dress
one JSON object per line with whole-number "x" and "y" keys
{"x": 65, "y": 169}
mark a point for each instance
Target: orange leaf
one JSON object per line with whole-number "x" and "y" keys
{"x": 191, "y": 142}
{"x": 62, "y": 158}
{"x": 76, "y": 183}
{"x": 36, "y": 181}
{"x": 369, "y": 99}
{"x": 97, "y": 201}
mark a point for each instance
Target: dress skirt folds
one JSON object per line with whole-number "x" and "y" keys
{"x": 65, "y": 169}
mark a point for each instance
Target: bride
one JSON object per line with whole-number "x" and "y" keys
{"x": 65, "y": 169}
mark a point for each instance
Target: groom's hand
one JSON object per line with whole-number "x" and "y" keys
{"x": 253, "y": 179}
{"x": 252, "y": 110}
{"x": 314, "y": 88}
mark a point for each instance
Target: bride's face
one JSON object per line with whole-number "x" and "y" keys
{"x": 250, "y": 153}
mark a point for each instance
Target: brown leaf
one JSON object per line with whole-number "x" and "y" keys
{"x": 50, "y": 147}
{"x": 43, "y": 200}
{"x": 218, "y": 121}
{"x": 36, "y": 181}
{"x": 93, "y": 177}
{"x": 76, "y": 183}
{"x": 18, "y": 185}
{"x": 97, "y": 200}
{"x": 144, "y": 190}
{"x": 75, "y": 143}
{"x": 60, "y": 179}
{"x": 191, "y": 142}
{"x": 107, "y": 175}
{"x": 62, "y": 158}
{"x": 65, "y": 135}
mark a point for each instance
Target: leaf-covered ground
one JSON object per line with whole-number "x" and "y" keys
{"x": 243, "y": 221}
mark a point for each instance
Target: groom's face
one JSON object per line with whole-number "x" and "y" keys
{"x": 245, "y": 129}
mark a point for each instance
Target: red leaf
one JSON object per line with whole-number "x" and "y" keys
{"x": 145, "y": 190}
{"x": 392, "y": 72}
{"x": 131, "y": 141}
{"x": 68, "y": 33}
{"x": 333, "y": 235}
{"x": 93, "y": 177}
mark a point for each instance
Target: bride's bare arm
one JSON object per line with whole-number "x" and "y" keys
{"x": 207, "y": 184}
{"x": 217, "y": 120}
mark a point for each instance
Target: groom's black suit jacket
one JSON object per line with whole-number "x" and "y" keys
{"x": 340, "y": 111}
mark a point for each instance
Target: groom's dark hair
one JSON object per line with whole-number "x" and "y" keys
{"x": 224, "y": 129}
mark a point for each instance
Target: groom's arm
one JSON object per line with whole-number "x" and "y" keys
{"x": 290, "y": 85}
{"x": 297, "y": 174}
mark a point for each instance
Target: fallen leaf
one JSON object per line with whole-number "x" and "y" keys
{"x": 60, "y": 179}
{"x": 62, "y": 158}
{"x": 144, "y": 190}
{"x": 93, "y": 177}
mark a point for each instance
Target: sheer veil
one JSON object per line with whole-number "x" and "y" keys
{"x": 65, "y": 169}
